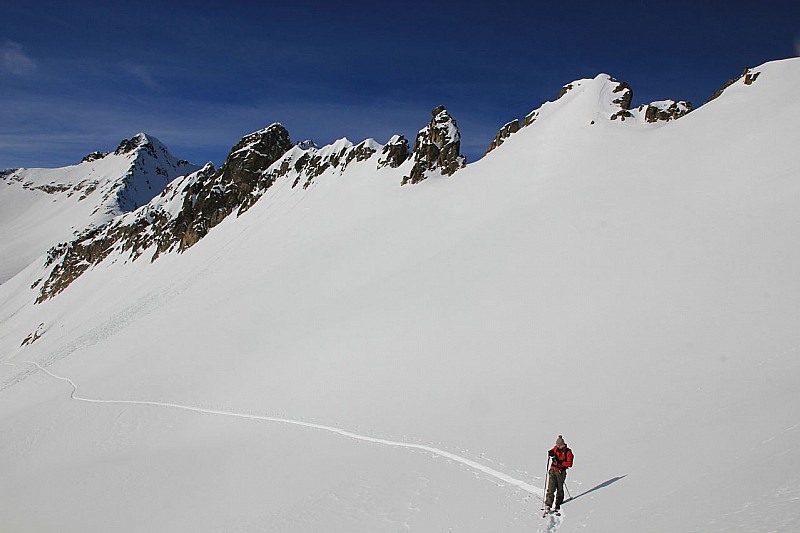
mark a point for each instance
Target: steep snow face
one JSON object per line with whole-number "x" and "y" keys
{"x": 303, "y": 366}
{"x": 41, "y": 207}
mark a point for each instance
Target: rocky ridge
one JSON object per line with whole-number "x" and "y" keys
{"x": 748, "y": 75}
{"x": 180, "y": 216}
{"x": 190, "y": 206}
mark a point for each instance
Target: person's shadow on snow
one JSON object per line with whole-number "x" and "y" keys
{"x": 602, "y": 485}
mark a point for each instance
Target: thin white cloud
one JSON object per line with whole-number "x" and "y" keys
{"x": 142, "y": 74}
{"x": 14, "y": 60}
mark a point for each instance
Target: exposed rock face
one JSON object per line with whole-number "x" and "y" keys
{"x": 564, "y": 90}
{"x": 623, "y": 100}
{"x": 94, "y": 156}
{"x": 749, "y": 76}
{"x": 530, "y": 118}
{"x": 503, "y": 134}
{"x": 622, "y": 114}
{"x": 360, "y": 152}
{"x": 626, "y": 95}
{"x": 665, "y": 111}
{"x": 180, "y": 216}
{"x": 437, "y": 147}
{"x": 394, "y": 153}
{"x": 240, "y": 180}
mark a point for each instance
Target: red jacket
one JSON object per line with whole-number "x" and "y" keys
{"x": 562, "y": 458}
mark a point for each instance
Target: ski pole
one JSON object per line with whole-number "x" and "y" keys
{"x": 546, "y": 479}
{"x": 567, "y": 488}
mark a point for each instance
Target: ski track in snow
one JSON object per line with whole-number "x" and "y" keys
{"x": 478, "y": 467}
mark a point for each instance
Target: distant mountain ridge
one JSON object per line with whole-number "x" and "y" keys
{"x": 41, "y": 207}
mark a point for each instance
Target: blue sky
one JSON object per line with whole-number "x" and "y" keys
{"x": 80, "y": 76}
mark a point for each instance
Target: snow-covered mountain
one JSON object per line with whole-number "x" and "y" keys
{"x": 40, "y": 207}
{"x": 298, "y": 342}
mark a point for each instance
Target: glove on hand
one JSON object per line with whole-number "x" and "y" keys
{"x": 551, "y": 453}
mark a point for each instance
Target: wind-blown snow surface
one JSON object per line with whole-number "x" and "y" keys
{"x": 633, "y": 288}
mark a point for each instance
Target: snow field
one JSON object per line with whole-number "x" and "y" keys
{"x": 634, "y": 290}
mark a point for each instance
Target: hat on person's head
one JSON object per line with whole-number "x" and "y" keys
{"x": 560, "y": 441}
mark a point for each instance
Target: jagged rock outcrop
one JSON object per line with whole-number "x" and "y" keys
{"x": 239, "y": 182}
{"x": 306, "y": 144}
{"x": 665, "y": 111}
{"x": 623, "y": 100}
{"x": 437, "y": 148}
{"x": 395, "y": 152}
{"x": 361, "y": 152}
{"x": 625, "y": 94}
{"x": 506, "y": 131}
{"x": 564, "y": 90}
{"x": 749, "y": 76}
{"x": 94, "y": 156}
{"x": 307, "y": 165}
{"x": 530, "y": 118}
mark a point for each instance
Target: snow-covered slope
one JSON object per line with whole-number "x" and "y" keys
{"x": 356, "y": 355}
{"x": 40, "y": 207}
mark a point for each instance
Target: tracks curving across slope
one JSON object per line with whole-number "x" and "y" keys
{"x": 473, "y": 465}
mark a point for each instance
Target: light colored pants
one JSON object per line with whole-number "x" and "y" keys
{"x": 555, "y": 486}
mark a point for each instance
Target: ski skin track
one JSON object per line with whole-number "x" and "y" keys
{"x": 500, "y": 476}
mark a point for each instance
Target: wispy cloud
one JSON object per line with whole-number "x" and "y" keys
{"x": 142, "y": 74}
{"x": 14, "y": 60}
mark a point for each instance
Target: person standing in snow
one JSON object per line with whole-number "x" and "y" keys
{"x": 560, "y": 459}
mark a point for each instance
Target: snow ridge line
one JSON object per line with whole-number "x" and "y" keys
{"x": 505, "y": 478}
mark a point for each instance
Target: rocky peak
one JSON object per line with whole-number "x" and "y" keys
{"x": 140, "y": 140}
{"x": 238, "y": 184}
{"x": 253, "y": 154}
{"x": 394, "y": 153}
{"x": 437, "y": 147}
